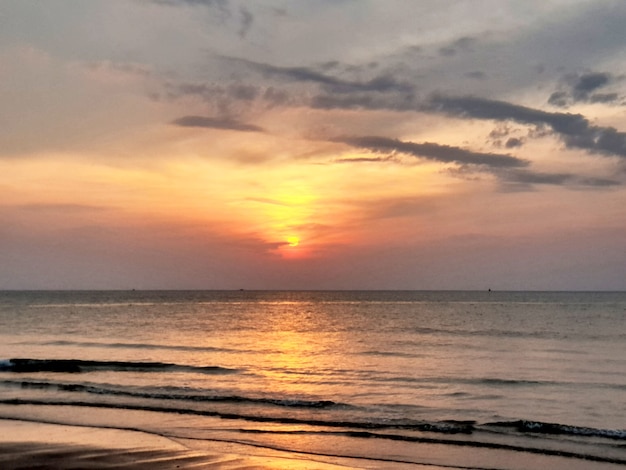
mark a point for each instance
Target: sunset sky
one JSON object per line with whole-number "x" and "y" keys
{"x": 313, "y": 144}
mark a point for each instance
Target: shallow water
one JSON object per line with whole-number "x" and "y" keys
{"x": 536, "y": 373}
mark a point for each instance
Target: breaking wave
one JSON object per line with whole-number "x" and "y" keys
{"x": 21, "y": 365}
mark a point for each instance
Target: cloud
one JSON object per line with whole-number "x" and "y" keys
{"x": 476, "y": 75}
{"x": 599, "y": 182}
{"x": 214, "y": 123}
{"x": 210, "y": 92}
{"x": 221, "y": 8}
{"x": 432, "y": 151}
{"x": 605, "y": 98}
{"x": 532, "y": 177}
{"x": 560, "y": 99}
{"x": 513, "y": 142}
{"x": 226, "y": 100}
{"x": 526, "y": 177}
{"x": 381, "y": 83}
{"x": 574, "y": 129}
{"x": 369, "y": 101}
{"x": 365, "y": 159}
{"x": 221, "y": 4}
{"x": 590, "y": 82}
{"x": 582, "y": 88}
{"x": 246, "y": 21}
{"x": 506, "y": 168}
{"x": 462, "y": 44}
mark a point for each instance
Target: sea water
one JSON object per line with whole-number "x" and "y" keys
{"x": 533, "y": 373}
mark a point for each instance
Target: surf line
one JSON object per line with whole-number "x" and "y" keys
{"x": 355, "y": 434}
{"x": 176, "y": 439}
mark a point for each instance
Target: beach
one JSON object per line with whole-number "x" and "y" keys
{"x": 30, "y": 445}
{"x": 27, "y": 445}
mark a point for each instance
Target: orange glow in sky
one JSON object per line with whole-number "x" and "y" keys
{"x": 424, "y": 150}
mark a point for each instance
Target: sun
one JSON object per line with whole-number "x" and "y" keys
{"x": 293, "y": 241}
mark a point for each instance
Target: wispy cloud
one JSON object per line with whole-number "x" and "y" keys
{"x": 459, "y": 45}
{"x": 222, "y": 4}
{"x": 247, "y": 19}
{"x": 508, "y": 169}
{"x": 216, "y": 123}
{"x": 530, "y": 178}
{"x": 330, "y": 83}
{"x": 433, "y": 151}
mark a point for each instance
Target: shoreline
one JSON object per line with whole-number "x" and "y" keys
{"x": 28, "y": 444}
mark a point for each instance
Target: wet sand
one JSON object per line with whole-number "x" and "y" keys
{"x": 27, "y": 445}
{"x": 41, "y": 446}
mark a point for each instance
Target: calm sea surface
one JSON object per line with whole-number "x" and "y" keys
{"x": 525, "y": 372}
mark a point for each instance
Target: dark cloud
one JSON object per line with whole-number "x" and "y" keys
{"x": 246, "y": 21}
{"x": 590, "y": 82}
{"x": 211, "y": 92}
{"x": 214, "y": 123}
{"x": 332, "y": 84}
{"x": 502, "y": 131}
{"x": 462, "y": 44}
{"x": 365, "y": 159}
{"x": 275, "y": 97}
{"x": 599, "y": 182}
{"x": 529, "y": 178}
{"x": 513, "y": 142}
{"x": 226, "y": 100}
{"x": 532, "y": 177}
{"x": 243, "y": 92}
{"x": 481, "y": 108}
{"x": 560, "y": 99}
{"x": 371, "y": 101}
{"x": 574, "y": 129}
{"x": 432, "y": 151}
{"x": 604, "y": 98}
{"x": 506, "y": 168}
{"x": 582, "y": 88}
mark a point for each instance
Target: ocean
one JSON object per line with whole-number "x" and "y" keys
{"x": 387, "y": 379}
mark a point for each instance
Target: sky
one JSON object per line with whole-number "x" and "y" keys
{"x": 313, "y": 144}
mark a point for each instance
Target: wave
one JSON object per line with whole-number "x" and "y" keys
{"x": 451, "y": 442}
{"x": 372, "y": 431}
{"x": 95, "y": 344}
{"x": 381, "y": 459}
{"x": 390, "y": 353}
{"x": 23, "y": 365}
{"x": 515, "y": 436}
{"x": 174, "y": 394}
{"x": 538, "y": 427}
{"x": 494, "y": 382}
{"x": 445, "y": 427}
